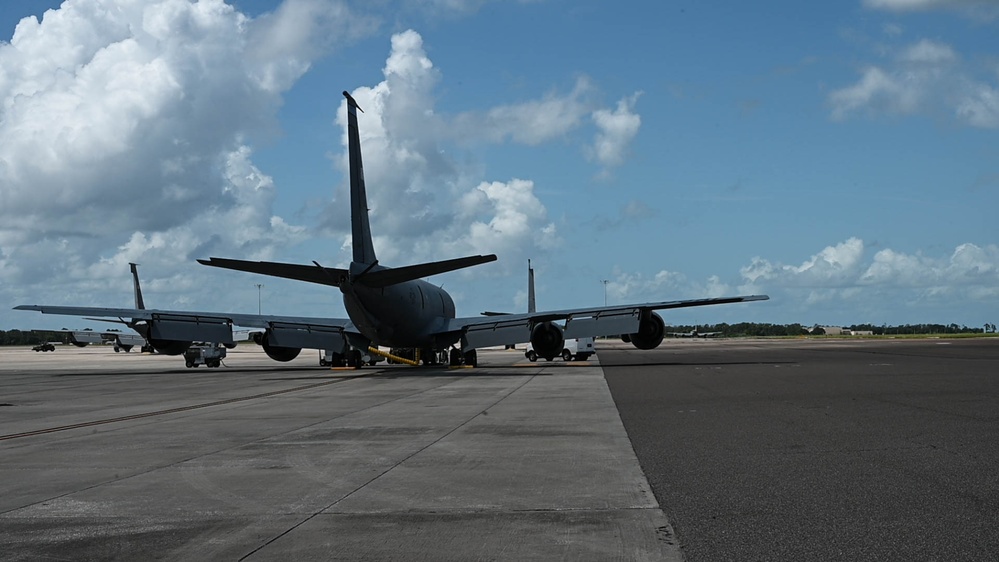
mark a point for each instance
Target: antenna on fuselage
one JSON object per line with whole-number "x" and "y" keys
{"x": 364, "y": 250}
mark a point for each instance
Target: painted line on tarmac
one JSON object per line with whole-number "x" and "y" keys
{"x": 175, "y": 410}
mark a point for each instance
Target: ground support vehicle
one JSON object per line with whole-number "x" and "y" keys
{"x": 210, "y": 355}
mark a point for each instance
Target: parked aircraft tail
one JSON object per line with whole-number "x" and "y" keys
{"x": 138, "y": 290}
{"x": 531, "y": 306}
{"x": 364, "y": 250}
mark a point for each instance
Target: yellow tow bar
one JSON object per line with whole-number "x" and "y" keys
{"x": 396, "y": 358}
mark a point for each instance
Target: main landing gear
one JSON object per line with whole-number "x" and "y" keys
{"x": 469, "y": 358}
{"x": 355, "y": 358}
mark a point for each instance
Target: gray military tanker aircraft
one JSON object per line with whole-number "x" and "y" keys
{"x": 391, "y": 307}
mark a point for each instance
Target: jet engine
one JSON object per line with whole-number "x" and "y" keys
{"x": 276, "y": 352}
{"x": 547, "y": 340}
{"x": 651, "y": 330}
{"x": 170, "y": 347}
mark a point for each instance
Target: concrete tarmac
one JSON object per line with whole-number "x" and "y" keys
{"x": 817, "y": 450}
{"x": 134, "y": 457}
{"x": 755, "y": 449}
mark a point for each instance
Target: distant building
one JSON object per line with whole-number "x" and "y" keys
{"x": 840, "y": 331}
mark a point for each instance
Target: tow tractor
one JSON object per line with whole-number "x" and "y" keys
{"x": 208, "y": 354}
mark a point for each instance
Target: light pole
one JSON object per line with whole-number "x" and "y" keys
{"x": 259, "y": 286}
{"x": 605, "y": 282}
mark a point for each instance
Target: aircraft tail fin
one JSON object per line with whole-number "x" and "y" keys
{"x": 138, "y": 290}
{"x": 364, "y": 251}
{"x": 532, "y": 306}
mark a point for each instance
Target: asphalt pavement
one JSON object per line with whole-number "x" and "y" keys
{"x": 818, "y": 449}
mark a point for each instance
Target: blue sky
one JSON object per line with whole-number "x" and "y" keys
{"x": 840, "y": 157}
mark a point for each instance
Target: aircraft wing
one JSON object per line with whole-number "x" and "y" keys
{"x": 485, "y": 331}
{"x": 212, "y": 326}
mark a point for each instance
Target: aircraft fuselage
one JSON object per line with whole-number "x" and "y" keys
{"x": 400, "y": 315}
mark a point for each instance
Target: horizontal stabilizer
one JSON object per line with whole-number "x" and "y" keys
{"x": 309, "y": 273}
{"x": 386, "y": 277}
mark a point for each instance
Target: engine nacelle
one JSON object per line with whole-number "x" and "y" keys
{"x": 170, "y": 347}
{"x": 278, "y": 353}
{"x": 547, "y": 340}
{"x": 651, "y": 330}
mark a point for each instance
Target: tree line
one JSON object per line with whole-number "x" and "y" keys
{"x": 31, "y": 337}
{"x": 742, "y": 329}
{"x": 754, "y": 329}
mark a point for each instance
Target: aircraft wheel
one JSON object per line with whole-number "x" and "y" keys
{"x": 354, "y": 359}
{"x": 117, "y": 349}
{"x": 472, "y": 358}
{"x": 189, "y": 364}
{"x": 531, "y": 356}
{"x": 455, "y": 358}
{"x": 428, "y": 356}
{"x": 566, "y": 356}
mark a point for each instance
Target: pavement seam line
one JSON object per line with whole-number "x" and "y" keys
{"x": 389, "y": 469}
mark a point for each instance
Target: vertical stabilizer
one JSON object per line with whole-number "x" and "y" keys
{"x": 364, "y": 251}
{"x": 531, "y": 306}
{"x": 138, "y": 290}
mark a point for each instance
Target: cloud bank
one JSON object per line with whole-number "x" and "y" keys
{"x": 843, "y": 282}
{"x": 127, "y": 131}
{"x": 123, "y": 132}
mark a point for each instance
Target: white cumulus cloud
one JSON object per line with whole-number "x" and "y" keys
{"x": 978, "y": 9}
{"x": 413, "y": 161}
{"x": 123, "y": 137}
{"x": 926, "y": 77}
{"x": 616, "y": 129}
